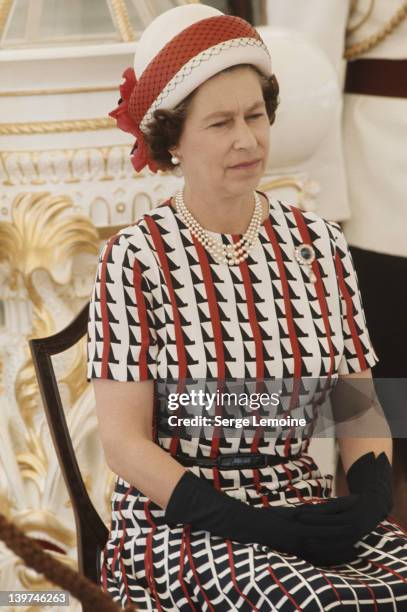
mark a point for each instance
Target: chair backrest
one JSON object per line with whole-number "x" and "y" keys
{"x": 92, "y": 533}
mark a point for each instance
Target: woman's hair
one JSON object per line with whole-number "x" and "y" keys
{"x": 165, "y": 130}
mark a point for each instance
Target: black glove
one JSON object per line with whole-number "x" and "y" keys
{"x": 371, "y": 478}
{"x": 370, "y": 484}
{"x": 329, "y": 511}
{"x": 341, "y": 550}
{"x": 196, "y": 502}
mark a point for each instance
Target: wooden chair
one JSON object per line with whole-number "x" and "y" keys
{"x": 92, "y": 532}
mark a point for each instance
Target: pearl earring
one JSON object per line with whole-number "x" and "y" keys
{"x": 175, "y": 160}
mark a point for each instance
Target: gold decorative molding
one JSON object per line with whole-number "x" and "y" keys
{"x": 107, "y": 232}
{"x": 75, "y": 379}
{"x": 67, "y": 165}
{"x": 32, "y": 465}
{"x": 55, "y": 127}
{"x": 306, "y": 190}
{"x": 56, "y": 92}
{"x": 5, "y": 8}
{"x": 122, "y": 20}
{"x": 281, "y": 182}
{"x": 45, "y": 233}
{"x": 33, "y": 521}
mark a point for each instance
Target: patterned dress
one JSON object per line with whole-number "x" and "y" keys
{"x": 161, "y": 308}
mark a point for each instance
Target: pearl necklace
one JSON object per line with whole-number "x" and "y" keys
{"x": 232, "y": 253}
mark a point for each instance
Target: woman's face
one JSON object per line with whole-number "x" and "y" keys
{"x": 226, "y": 125}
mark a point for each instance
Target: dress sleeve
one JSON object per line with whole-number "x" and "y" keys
{"x": 358, "y": 354}
{"x": 122, "y": 339}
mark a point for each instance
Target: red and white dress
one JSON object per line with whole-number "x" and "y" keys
{"x": 163, "y": 308}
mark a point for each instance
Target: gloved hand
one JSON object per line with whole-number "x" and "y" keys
{"x": 196, "y": 502}
{"x": 371, "y": 478}
{"x": 328, "y": 509}
{"x": 331, "y": 512}
{"x": 370, "y": 484}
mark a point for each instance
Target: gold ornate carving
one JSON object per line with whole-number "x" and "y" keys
{"x": 56, "y": 92}
{"x": 281, "y": 182}
{"x": 122, "y": 20}
{"x": 33, "y": 466}
{"x": 75, "y": 379}
{"x": 106, "y": 232}
{"x": 306, "y": 189}
{"x": 55, "y": 127}
{"x": 6, "y": 506}
{"x": 5, "y": 7}
{"x": 33, "y": 521}
{"x": 45, "y": 233}
{"x": 66, "y": 165}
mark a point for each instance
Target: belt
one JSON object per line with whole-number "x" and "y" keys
{"x": 377, "y": 77}
{"x": 230, "y": 462}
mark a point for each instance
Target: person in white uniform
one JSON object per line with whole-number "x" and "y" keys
{"x": 375, "y": 152}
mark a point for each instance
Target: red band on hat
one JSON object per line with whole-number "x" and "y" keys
{"x": 178, "y": 51}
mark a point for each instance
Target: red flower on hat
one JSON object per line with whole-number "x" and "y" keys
{"x": 139, "y": 153}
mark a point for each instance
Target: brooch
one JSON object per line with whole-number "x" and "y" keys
{"x": 305, "y": 255}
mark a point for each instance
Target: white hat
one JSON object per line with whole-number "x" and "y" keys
{"x": 178, "y": 51}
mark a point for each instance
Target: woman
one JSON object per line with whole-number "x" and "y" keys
{"x": 228, "y": 523}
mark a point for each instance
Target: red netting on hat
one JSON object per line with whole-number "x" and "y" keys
{"x": 179, "y": 50}
{"x": 138, "y": 96}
